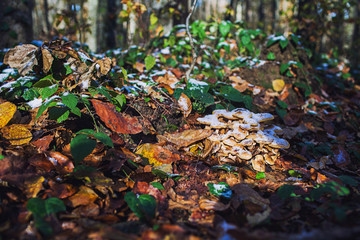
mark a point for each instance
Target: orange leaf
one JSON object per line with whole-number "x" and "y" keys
{"x": 16, "y": 134}
{"x": 118, "y": 122}
{"x": 7, "y": 111}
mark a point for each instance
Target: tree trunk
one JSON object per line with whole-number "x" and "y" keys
{"x": 110, "y": 26}
{"x": 16, "y": 22}
{"x": 355, "y": 45}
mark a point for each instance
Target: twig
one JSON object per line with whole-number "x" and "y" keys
{"x": 188, "y": 72}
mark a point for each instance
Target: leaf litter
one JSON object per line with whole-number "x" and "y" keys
{"x": 159, "y": 166}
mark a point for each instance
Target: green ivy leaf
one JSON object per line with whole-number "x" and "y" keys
{"x": 143, "y": 206}
{"x": 54, "y": 205}
{"x": 286, "y": 191}
{"x": 245, "y": 39}
{"x": 281, "y": 112}
{"x": 220, "y": 189}
{"x": 105, "y": 139}
{"x": 36, "y": 206}
{"x": 48, "y": 91}
{"x": 2, "y": 157}
{"x": 224, "y": 28}
{"x": 284, "y": 67}
{"x": 260, "y": 175}
{"x": 157, "y": 185}
{"x": 86, "y": 131}
{"x": 150, "y": 62}
{"x": 70, "y": 100}
{"x": 284, "y": 43}
{"x": 271, "y": 56}
{"x": 59, "y": 114}
{"x": 294, "y": 173}
{"x": 282, "y": 104}
{"x": 81, "y": 146}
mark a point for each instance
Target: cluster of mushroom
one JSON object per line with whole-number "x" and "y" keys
{"x": 241, "y": 135}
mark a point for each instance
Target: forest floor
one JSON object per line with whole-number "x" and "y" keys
{"x": 73, "y": 166}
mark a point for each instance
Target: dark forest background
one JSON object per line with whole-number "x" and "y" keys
{"x": 326, "y": 26}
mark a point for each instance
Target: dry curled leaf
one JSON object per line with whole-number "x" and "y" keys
{"x": 7, "y": 111}
{"x": 116, "y": 121}
{"x": 185, "y": 105}
{"x": 22, "y": 57}
{"x": 47, "y": 59}
{"x": 105, "y": 66}
{"x": 16, "y": 134}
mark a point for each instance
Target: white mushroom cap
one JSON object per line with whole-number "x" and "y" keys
{"x": 258, "y": 163}
{"x": 213, "y": 121}
{"x": 241, "y": 152}
{"x": 262, "y": 117}
{"x": 224, "y": 113}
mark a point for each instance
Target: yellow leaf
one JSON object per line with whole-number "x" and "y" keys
{"x": 156, "y": 154}
{"x": 34, "y": 186}
{"x": 16, "y": 134}
{"x": 278, "y": 84}
{"x": 7, "y": 111}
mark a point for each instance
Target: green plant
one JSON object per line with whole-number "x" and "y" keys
{"x": 144, "y": 206}
{"x": 41, "y": 209}
{"x": 85, "y": 142}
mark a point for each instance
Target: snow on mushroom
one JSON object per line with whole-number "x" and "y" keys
{"x": 242, "y": 135}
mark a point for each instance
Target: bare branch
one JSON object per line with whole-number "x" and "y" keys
{"x": 194, "y": 55}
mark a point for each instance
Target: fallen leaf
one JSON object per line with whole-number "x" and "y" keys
{"x": 118, "y": 122}
{"x": 34, "y": 186}
{"x": 22, "y": 57}
{"x": 278, "y": 84}
{"x": 16, "y": 134}
{"x": 187, "y": 137}
{"x": 139, "y": 66}
{"x": 84, "y": 196}
{"x": 105, "y": 66}
{"x": 61, "y": 162}
{"x": 7, "y": 111}
{"x": 43, "y": 143}
{"x": 156, "y": 154}
{"x": 185, "y": 105}
{"x": 47, "y": 59}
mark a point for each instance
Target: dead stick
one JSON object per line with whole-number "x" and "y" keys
{"x": 188, "y": 72}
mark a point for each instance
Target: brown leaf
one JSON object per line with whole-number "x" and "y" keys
{"x": 22, "y": 57}
{"x": 62, "y": 163}
{"x": 43, "y": 143}
{"x": 139, "y": 66}
{"x": 187, "y": 137}
{"x": 61, "y": 190}
{"x": 244, "y": 193}
{"x": 105, "y": 66}
{"x": 185, "y": 105}
{"x": 118, "y": 122}
{"x": 84, "y": 196}
{"x": 47, "y": 59}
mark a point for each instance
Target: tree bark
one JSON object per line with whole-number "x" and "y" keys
{"x": 355, "y": 45}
